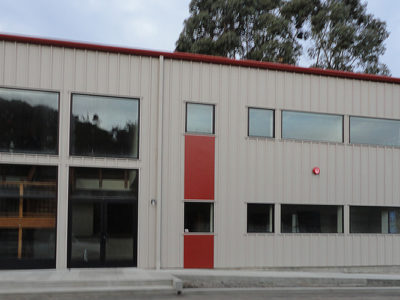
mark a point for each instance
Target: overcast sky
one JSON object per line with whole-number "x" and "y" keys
{"x": 144, "y": 24}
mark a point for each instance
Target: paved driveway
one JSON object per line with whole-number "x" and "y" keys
{"x": 229, "y": 294}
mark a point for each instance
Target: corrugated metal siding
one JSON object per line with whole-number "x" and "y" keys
{"x": 247, "y": 169}
{"x": 279, "y": 171}
{"x": 79, "y": 71}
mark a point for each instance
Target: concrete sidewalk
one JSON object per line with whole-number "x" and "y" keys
{"x": 134, "y": 280}
{"x": 254, "y": 279}
{"x": 87, "y": 280}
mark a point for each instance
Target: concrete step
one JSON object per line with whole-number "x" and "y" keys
{"x": 266, "y": 279}
{"x": 87, "y": 280}
{"x": 84, "y": 283}
{"x": 159, "y": 289}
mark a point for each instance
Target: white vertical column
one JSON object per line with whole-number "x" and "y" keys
{"x": 159, "y": 162}
{"x": 346, "y": 129}
{"x": 278, "y": 127}
{"x": 340, "y": 219}
{"x": 277, "y": 219}
{"x": 385, "y": 221}
{"x": 63, "y": 173}
{"x": 346, "y": 219}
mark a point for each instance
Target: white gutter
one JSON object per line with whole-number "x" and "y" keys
{"x": 159, "y": 161}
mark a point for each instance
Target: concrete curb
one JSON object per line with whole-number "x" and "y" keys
{"x": 246, "y": 279}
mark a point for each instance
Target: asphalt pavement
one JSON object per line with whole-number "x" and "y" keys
{"x": 231, "y": 294}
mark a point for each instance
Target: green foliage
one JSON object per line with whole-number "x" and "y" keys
{"x": 345, "y": 37}
{"x": 339, "y": 34}
{"x": 244, "y": 29}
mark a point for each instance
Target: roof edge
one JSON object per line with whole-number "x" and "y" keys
{"x": 197, "y": 58}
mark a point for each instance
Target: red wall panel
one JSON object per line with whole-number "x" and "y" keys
{"x": 199, "y": 167}
{"x": 198, "y": 251}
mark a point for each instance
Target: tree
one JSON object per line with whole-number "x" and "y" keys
{"x": 338, "y": 34}
{"x": 243, "y": 29}
{"x": 342, "y": 35}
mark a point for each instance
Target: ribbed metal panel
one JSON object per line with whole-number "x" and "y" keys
{"x": 247, "y": 169}
{"x": 279, "y": 171}
{"x": 79, "y": 71}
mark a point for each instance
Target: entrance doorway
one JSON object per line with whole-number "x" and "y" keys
{"x": 102, "y": 218}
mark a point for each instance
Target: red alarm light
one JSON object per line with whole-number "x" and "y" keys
{"x": 316, "y": 171}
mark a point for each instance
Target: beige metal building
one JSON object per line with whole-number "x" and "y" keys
{"x": 122, "y": 157}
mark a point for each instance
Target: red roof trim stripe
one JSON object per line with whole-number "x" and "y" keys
{"x": 198, "y": 58}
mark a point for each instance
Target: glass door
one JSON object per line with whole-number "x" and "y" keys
{"x": 119, "y": 235}
{"x": 102, "y": 218}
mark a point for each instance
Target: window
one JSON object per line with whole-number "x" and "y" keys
{"x": 261, "y": 122}
{"x": 312, "y": 126}
{"x": 28, "y": 209}
{"x": 312, "y": 219}
{"x": 104, "y": 126}
{"x": 260, "y": 217}
{"x": 364, "y": 219}
{"x": 199, "y": 118}
{"x": 199, "y": 217}
{"x": 103, "y": 217}
{"x": 374, "y": 131}
{"x": 28, "y": 121}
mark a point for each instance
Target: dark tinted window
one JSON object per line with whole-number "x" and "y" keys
{"x": 374, "y": 131}
{"x": 312, "y": 219}
{"x": 369, "y": 219}
{"x": 28, "y": 121}
{"x": 261, "y": 122}
{"x": 312, "y": 126}
{"x": 104, "y": 126}
{"x": 199, "y": 217}
{"x": 199, "y": 118}
{"x": 28, "y": 210}
{"x": 260, "y": 217}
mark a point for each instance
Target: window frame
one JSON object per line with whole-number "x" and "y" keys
{"x": 273, "y": 122}
{"x": 381, "y": 208}
{"x": 212, "y": 222}
{"x": 186, "y": 118}
{"x": 57, "y": 150}
{"x": 370, "y": 144}
{"x": 315, "y": 113}
{"x": 271, "y": 205}
{"x": 138, "y": 99}
{"x": 17, "y": 264}
{"x": 317, "y": 205}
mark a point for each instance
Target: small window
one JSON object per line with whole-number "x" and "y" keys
{"x": 199, "y": 118}
{"x": 28, "y": 121}
{"x": 199, "y": 217}
{"x": 312, "y": 126}
{"x": 364, "y": 219}
{"x": 260, "y": 217}
{"x": 312, "y": 219}
{"x": 261, "y": 122}
{"x": 374, "y": 131}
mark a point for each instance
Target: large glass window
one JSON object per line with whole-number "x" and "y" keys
{"x": 103, "y": 217}
{"x": 374, "y": 131}
{"x": 28, "y": 121}
{"x": 104, "y": 126}
{"x": 311, "y": 218}
{"x": 199, "y": 217}
{"x": 28, "y": 205}
{"x": 371, "y": 219}
{"x": 312, "y": 126}
{"x": 261, "y": 122}
{"x": 260, "y": 217}
{"x": 199, "y": 118}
